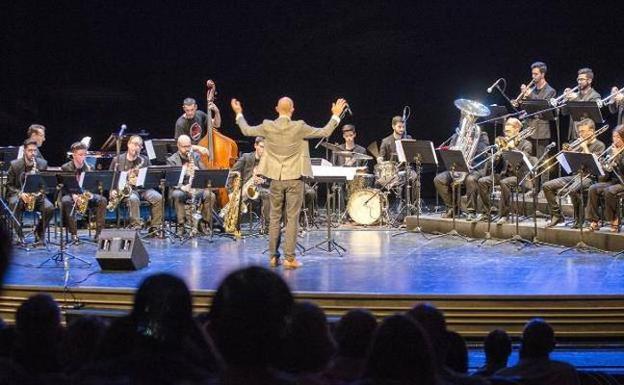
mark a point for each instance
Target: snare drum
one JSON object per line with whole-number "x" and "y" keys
{"x": 386, "y": 173}
{"x": 360, "y": 182}
{"x": 365, "y": 206}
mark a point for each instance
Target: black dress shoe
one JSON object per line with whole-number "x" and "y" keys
{"x": 555, "y": 220}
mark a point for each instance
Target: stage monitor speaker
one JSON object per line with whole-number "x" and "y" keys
{"x": 121, "y": 250}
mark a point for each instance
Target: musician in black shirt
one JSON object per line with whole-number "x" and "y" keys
{"x": 616, "y": 105}
{"x": 387, "y": 150}
{"x": 349, "y": 134}
{"x": 585, "y": 94}
{"x": 194, "y": 122}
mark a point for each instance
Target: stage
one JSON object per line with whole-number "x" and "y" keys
{"x": 478, "y": 287}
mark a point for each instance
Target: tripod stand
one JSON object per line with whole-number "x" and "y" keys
{"x": 329, "y": 241}
{"x": 408, "y": 205}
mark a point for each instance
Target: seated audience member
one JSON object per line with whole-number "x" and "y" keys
{"x": 248, "y": 321}
{"x": 354, "y": 333}
{"x": 497, "y": 347}
{"x": 457, "y": 355}
{"x": 81, "y": 340}
{"x": 308, "y": 345}
{"x": 400, "y": 354}
{"x": 535, "y": 365}
{"x": 434, "y": 323}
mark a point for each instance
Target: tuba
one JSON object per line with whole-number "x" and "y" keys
{"x": 468, "y": 132}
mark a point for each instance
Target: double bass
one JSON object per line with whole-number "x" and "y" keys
{"x": 222, "y": 150}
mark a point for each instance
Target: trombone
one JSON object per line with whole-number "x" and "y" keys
{"x": 556, "y": 101}
{"x": 571, "y": 147}
{"x": 520, "y": 96}
{"x": 606, "y": 160}
{"x": 517, "y": 137}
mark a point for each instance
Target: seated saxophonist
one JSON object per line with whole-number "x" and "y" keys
{"x": 185, "y": 156}
{"x": 610, "y": 186}
{"x": 504, "y": 175}
{"x": 247, "y": 165}
{"x": 553, "y": 188}
{"x": 80, "y": 202}
{"x": 131, "y": 161}
{"x": 444, "y": 180}
{"x": 18, "y": 199}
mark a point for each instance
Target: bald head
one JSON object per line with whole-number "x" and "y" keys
{"x": 285, "y": 106}
{"x": 184, "y": 144}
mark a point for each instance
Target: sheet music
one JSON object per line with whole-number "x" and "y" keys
{"x": 20, "y": 152}
{"x": 141, "y": 177}
{"x": 564, "y": 163}
{"x": 435, "y": 156}
{"x": 400, "y": 151}
{"x": 123, "y": 179}
{"x": 181, "y": 178}
{"x": 602, "y": 173}
{"x": 149, "y": 148}
{"x": 347, "y": 172}
{"x": 81, "y": 179}
{"x": 527, "y": 162}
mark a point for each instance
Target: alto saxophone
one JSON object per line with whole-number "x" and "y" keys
{"x": 31, "y": 198}
{"x": 115, "y": 198}
{"x": 82, "y": 202}
{"x": 230, "y": 211}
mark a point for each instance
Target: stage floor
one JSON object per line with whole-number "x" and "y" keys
{"x": 376, "y": 263}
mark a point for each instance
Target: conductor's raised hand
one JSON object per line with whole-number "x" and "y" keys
{"x": 236, "y": 106}
{"x": 338, "y": 106}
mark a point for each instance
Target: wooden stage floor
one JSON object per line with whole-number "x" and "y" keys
{"x": 478, "y": 287}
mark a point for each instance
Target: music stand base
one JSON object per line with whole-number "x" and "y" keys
{"x": 516, "y": 238}
{"x": 332, "y": 245}
{"x": 61, "y": 255}
{"x": 451, "y": 233}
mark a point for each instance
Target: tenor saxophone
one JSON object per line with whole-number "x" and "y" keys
{"x": 115, "y": 199}
{"x": 230, "y": 211}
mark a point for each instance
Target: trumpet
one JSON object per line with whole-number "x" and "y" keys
{"x": 607, "y": 100}
{"x": 556, "y": 101}
{"x": 522, "y": 95}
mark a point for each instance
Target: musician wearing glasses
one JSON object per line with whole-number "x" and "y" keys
{"x": 610, "y": 186}
{"x": 504, "y": 175}
{"x": 18, "y": 200}
{"x": 570, "y": 184}
{"x": 585, "y": 94}
{"x": 185, "y": 156}
{"x": 131, "y": 161}
{"x": 540, "y": 90}
{"x": 72, "y": 202}
{"x": 444, "y": 180}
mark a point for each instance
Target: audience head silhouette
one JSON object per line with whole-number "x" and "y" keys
{"x": 497, "y": 346}
{"x": 248, "y": 317}
{"x": 538, "y": 339}
{"x": 457, "y": 354}
{"x": 432, "y": 320}
{"x": 354, "y": 333}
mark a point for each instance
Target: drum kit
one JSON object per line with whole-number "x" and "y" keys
{"x": 367, "y": 194}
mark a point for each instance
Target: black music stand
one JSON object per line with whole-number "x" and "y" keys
{"x": 417, "y": 152}
{"x": 582, "y": 110}
{"x": 583, "y": 165}
{"x": 332, "y": 245}
{"x": 212, "y": 179}
{"x": 70, "y": 185}
{"x": 455, "y": 163}
{"x": 543, "y": 110}
{"x": 154, "y": 179}
{"x": 497, "y": 115}
{"x": 96, "y": 180}
{"x": 517, "y": 160}
{"x": 34, "y": 183}
{"x": 172, "y": 177}
{"x": 7, "y": 155}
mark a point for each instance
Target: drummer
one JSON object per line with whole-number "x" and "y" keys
{"x": 349, "y": 134}
{"x": 388, "y": 150}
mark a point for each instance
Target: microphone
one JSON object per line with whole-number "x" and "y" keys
{"x": 489, "y": 90}
{"x": 348, "y": 110}
{"x": 122, "y": 130}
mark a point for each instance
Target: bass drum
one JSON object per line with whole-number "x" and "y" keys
{"x": 365, "y": 206}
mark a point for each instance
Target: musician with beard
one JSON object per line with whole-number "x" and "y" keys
{"x": 194, "y": 123}
{"x": 585, "y": 94}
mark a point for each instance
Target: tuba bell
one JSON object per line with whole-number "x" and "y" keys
{"x": 468, "y": 132}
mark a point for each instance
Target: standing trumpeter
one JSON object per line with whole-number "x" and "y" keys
{"x": 19, "y": 200}
{"x": 552, "y": 189}
{"x": 185, "y": 156}
{"x": 72, "y": 202}
{"x": 585, "y": 93}
{"x": 540, "y": 90}
{"x": 504, "y": 175}
{"x": 131, "y": 161}
{"x": 285, "y": 162}
{"x": 610, "y": 186}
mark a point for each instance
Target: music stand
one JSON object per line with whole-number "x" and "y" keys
{"x": 517, "y": 160}
{"x": 7, "y": 155}
{"x": 542, "y": 109}
{"x": 582, "y": 110}
{"x": 583, "y": 165}
{"x": 497, "y": 114}
{"x": 418, "y": 152}
{"x": 34, "y": 183}
{"x": 212, "y": 179}
{"x": 154, "y": 177}
{"x": 455, "y": 163}
{"x": 332, "y": 245}
{"x": 172, "y": 177}
{"x": 158, "y": 150}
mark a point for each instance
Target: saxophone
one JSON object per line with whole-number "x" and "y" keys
{"x": 230, "y": 211}
{"x": 82, "y": 202}
{"x": 115, "y": 198}
{"x": 31, "y": 198}
{"x": 250, "y": 189}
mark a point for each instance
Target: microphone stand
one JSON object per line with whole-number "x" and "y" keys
{"x": 502, "y": 92}
{"x": 488, "y": 235}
